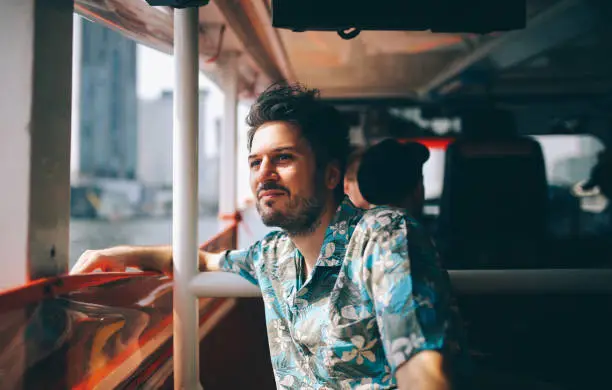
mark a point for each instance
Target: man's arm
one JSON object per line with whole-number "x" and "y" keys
{"x": 409, "y": 298}
{"x": 159, "y": 259}
{"x": 147, "y": 258}
{"x": 424, "y": 371}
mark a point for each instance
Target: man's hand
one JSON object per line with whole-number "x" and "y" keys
{"x": 424, "y": 371}
{"x": 149, "y": 258}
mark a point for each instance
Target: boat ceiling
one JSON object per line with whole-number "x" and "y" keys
{"x": 565, "y": 50}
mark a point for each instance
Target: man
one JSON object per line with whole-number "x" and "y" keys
{"x": 347, "y": 305}
{"x": 351, "y": 187}
{"x": 601, "y": 179}
{"x": 391, "y": 173}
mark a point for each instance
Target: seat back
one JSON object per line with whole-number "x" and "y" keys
{"x": 494, "y": 201}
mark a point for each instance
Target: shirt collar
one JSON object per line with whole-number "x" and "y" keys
{"x": 338, "y": 234}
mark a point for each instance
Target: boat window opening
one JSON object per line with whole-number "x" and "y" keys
{"x": 121, "y": 173}
{"x": 580, "y": 224}
{"x": 568, "y": 159}
{"x": 576, "y": 221}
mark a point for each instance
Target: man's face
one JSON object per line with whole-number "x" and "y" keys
{"x": 290, "y": 193}
{"x": 351, "y": 188}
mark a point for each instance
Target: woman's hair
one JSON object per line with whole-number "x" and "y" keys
{"x": 390, "y": 171}
{"x": 352, "y": 163}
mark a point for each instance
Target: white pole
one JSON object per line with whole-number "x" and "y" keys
{"x": 75, "y": 135}
{"x": 185, "y": 198}
{"x": 228, "y": 171}
{"x": 223, "y": 285}
{"x": 472, "y": 281}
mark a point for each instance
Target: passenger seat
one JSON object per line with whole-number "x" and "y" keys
{"x": 493, "y": 211}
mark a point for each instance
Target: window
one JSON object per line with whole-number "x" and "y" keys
{"x": 569, "y": 160}
{"x": 122, "y": 184}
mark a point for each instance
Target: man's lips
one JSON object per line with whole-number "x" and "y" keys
{"x": 271, "y": 194}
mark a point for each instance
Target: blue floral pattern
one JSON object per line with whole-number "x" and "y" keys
{"x": 376, "y": 297}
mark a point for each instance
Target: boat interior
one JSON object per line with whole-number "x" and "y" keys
{"x": 516, "y": 118}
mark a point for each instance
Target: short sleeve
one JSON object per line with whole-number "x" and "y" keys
{"x": 242, "y": 262}
{"x": 410, "y": 304}
{"x": 245, "y": 262}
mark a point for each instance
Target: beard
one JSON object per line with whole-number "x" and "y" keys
{"x": 301, "y": 215}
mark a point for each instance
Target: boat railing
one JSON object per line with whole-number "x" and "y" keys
{"x": 464, "y": 282}
{"x": 99, "y": 330}
{"x": 112, "y": 330}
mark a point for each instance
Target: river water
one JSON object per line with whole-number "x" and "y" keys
{"x": 97, "y": 234}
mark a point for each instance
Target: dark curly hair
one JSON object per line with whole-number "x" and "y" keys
{"x": 320, "y": 124}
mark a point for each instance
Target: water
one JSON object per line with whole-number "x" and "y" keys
{"x": 98, "y": 234}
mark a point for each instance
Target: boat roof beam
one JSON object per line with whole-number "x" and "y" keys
{"x": 249, "y": 29}
{"x": 551, "y": 28}
{"x": 262, "y": 12}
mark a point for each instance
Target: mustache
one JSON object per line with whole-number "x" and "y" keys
{"x": 267, "y": 186}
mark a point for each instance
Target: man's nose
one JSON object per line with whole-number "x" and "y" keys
{"x": 267, "y": 171}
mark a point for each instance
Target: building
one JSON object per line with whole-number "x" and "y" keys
{"x": 154, "y": 151}
{"x": 155, "y": 148}
{"x": 108, "y": 104}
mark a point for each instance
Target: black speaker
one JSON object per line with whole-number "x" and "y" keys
{"x": 468, "y": 16}
{"x": 178, "y": 3}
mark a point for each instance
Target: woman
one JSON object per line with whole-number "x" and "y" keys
{"x": 391, "y": 174}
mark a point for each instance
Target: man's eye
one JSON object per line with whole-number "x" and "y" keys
{"x": 254, "y": 163}
{"x": 284, "y": 157}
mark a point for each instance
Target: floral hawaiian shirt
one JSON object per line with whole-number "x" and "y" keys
{"x": 375, "y": 297}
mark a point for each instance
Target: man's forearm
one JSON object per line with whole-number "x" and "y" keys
{"x": 146, "y": 258}
{"x": 160, "y": 258}
{"x": 424, "y": 371}
{"x": 155, "y": 258}
{"x": 163, "y": 257}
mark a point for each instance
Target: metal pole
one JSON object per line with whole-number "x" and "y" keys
{"x": 472, "y": 281}
{"x": 75, "y": 123}
{"x": 228, "y": 172}
{"x": 223, "y": 285}
{"x": 185, "y": 198}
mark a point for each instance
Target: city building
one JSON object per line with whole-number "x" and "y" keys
{"x": 108, "y": 104}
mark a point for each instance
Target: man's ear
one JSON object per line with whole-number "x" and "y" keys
{"x": 332, "y": 176}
